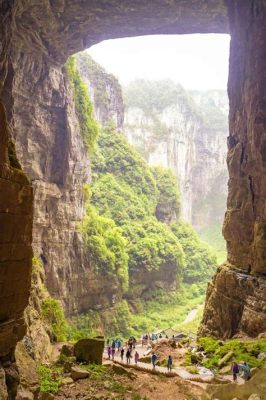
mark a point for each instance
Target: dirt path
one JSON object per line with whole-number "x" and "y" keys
{"x": 177, "y": 371}
{"x": 192, "y": 314}
{"x": 206, "y": 376}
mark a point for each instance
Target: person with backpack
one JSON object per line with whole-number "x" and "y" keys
{"x": 169, "y": 363}
{"x": 235, "y": 371}
{"x": 246, "y": 371}
{"x": 154, "y": 360}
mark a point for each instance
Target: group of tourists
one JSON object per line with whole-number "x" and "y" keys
{"x": 238, "y": 368}
{"x": 151, "y": 337}
{"x": 128, "y": 351}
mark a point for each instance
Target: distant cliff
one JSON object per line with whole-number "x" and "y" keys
{"x": 187, "y": 132}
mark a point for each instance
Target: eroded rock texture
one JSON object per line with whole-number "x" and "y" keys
{"x": 236, "y": 298}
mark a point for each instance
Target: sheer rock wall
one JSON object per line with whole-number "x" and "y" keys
{"x": 236, "y": 299}
{"x": 192, "y": 146}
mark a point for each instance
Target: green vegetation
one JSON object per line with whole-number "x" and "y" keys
{"x": 168, "y": 203}
{"x": 166, "y": 310}
{"x": 242, "y": 351}
{"x": 49, "y": 378}
{"x": 155, "y": 96}
{"x": 53, "y": 314}
{"x": 127, "y": 233}
{"x": 192, "y": 327}
{"x": 200, "y": 260}
{"x": 106, "y": 246}
{"x": 84, "y": 110}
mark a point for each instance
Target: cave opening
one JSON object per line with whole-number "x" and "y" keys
{"x": 31, "y": 71}
{"x": 183, "y": 130}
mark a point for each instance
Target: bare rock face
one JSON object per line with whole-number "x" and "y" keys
{"x": 236, "y": 299}
{"x": 185, "y": 131}
{"x": 235, "y": 302}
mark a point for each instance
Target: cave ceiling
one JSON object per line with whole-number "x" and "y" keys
{"x": 62, "y": 27}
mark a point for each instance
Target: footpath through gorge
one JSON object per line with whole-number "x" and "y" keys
{"x": 116, "y": 379}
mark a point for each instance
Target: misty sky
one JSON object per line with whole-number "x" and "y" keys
{"x": 196, "y": 61}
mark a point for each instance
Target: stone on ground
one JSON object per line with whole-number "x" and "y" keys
{"x": 79, "y": 373}
{"x": 89, "y": 350}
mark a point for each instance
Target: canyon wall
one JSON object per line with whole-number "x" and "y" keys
{"x": 236, "y": 296}
{"x": 52, "y": 152}
{"x": 184, "y": 131}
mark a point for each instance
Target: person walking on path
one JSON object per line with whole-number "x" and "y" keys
{"x": 109, "y": 352}
{"x": 119, "y": 344}
{"x": 122, "y": 353}
{"x": 154, "y": 360}
{"x": 246, "y": 371}
{"x": 128, "y": 356}
{"x": 113, "y": 353}
{"x": 235, "y": 371}
{"x": 136, "y": 357}
{"x": 169, "y": 363}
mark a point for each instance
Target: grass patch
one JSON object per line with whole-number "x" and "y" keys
{"x": 50, "y": 378}
{"x": 242, "y": 351}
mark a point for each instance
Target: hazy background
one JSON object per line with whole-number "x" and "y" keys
{"x": 198, "y": 61}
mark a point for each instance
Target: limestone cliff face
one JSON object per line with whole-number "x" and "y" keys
{"x": 187, "y": 133}
{"x": 105, "y": 91}
{"x": 51, "y": 150}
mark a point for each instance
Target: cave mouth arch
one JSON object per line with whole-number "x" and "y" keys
{"x": 195, "y": 63}
{"x": 37, "y": 39}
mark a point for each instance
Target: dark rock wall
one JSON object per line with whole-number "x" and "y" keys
{"x": 15, "y": 220}
{"x": 236, "y": 298}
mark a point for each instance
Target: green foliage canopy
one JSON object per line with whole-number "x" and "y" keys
{"x": 200, "y": 260}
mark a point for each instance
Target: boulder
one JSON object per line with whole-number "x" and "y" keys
{"x": 67, "y": 381}
{"x": 89, "y": 350}
{"x": 79, "y": 373}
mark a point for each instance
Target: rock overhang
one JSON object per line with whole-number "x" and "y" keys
{"x": 58, "y": 28}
